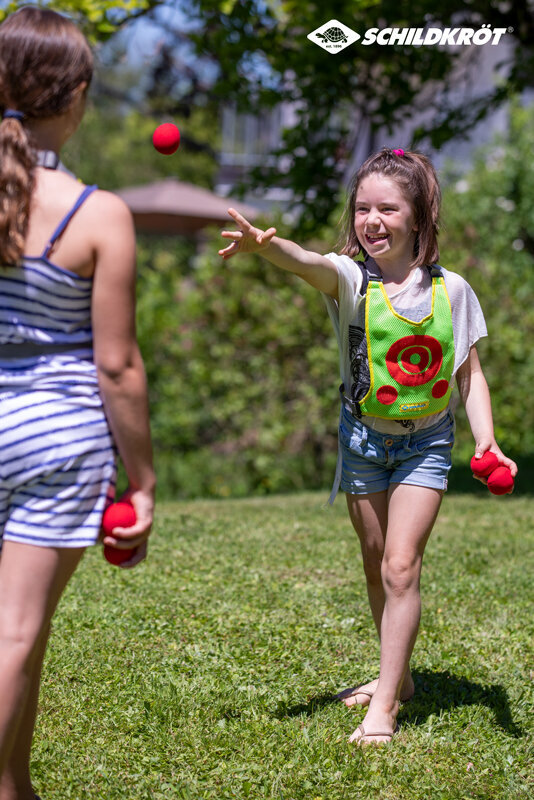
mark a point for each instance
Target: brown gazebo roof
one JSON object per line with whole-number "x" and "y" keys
{"x": 173, "y": 207}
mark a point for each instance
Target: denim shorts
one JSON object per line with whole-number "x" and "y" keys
{"x": 372, "y": 460}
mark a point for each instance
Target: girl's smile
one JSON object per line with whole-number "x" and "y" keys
{"x": 375, "y": 239}
{"x": 385, "y": 221}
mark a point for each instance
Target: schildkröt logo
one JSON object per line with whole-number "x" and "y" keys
{"x": 333, "y": 36}
{"x": 434, "y": 36}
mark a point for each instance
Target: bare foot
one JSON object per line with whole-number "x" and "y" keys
{"x": 361, "y": 695}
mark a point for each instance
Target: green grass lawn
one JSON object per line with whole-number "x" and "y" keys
{"x": 209, "y": 671}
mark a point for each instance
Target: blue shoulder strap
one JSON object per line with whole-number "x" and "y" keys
{"x": 67, "y": 218}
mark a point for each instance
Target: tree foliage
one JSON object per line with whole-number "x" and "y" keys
{"x": 241, "y": 363}
{"x": 113, "y": 148}
{"x": 263, "y": 57}
{"x": 99, "y": 19}
{"x": 255, "y": 54}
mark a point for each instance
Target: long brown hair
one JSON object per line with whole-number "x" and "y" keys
{"x": 43, "y": 59}
{"x": 418, "y": 181}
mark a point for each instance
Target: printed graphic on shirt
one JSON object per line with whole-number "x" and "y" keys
{"x": 359, "y": 363}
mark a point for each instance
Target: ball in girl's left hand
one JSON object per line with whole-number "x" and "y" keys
{"x": 500, "y": 481}
{"x": 485, "y": 464}
{"x": 166, "y": 138}
{"x": 118, "y": 515}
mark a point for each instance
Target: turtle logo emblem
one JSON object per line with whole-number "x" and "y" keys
{"x": 333, "y": 36}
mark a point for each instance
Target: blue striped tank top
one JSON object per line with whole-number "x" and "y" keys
{"x": 45, "y": 322}
{"x": 57, "y": 456}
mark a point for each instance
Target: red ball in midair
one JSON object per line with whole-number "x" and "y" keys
{"x": 500, "y": 481}
{"x": 484, "y": 465}
{"x": 118, "y": 515}
{"x": 166, "y": 138}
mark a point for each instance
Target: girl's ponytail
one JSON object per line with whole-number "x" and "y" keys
{"x": 44, "y": 59}
{"x": 17, "y": 161}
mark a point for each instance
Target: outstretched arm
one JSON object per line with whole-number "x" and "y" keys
{"x": 312, "y": 267}
{"x": 475, "y": 395}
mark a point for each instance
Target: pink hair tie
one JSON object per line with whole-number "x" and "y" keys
{"x": 399, "y": 152}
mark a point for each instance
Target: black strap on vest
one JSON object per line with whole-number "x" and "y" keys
{"x": 371, "y": 272}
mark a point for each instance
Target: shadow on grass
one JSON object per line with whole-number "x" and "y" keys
{"x": 437, "y": 691}
{"x": 307, "y": 709}
{"x": 434, "y": 692}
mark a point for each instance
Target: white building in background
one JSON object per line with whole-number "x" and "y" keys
{"x": 250, "y": 141}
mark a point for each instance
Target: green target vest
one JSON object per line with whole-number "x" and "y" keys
{"x": 410, "y": 363}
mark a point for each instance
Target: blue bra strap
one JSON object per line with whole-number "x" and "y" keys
{"x": 67, "y": 218}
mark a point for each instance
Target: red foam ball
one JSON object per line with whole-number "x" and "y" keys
{"x": 500, "y": 481}
{"x": 166, "y": 138}
{"x": 115, "y": 556}
{"x": 484, "y": 465}
{"x": 118, "y": 515}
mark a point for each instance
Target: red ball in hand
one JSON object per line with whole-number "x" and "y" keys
{"x": 117, "y": 557}
{"x": 500, "y": 481}
{"x": 118, "y": 515}
{"x": 484, "y": 465}
{"x": 166, "y": 138}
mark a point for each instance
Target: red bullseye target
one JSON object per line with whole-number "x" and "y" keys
{"x": 414, "y": 360}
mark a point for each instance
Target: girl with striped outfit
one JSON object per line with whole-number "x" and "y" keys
{"x": 72, "y": 382}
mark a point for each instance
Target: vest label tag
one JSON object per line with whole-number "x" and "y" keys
{"x": 414, "y": 406}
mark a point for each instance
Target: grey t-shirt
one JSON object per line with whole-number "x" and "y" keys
{"x": 413, "y": 301}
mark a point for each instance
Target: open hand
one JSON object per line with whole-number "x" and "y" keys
{"x": 247, "y": 239}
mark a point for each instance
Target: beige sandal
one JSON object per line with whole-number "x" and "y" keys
{"x": 346, "y": 694}
{"x": 364, "y": 734}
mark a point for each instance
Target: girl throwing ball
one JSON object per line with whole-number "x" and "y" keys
{"x": 406, "y": 329}
{"x": 72, "y": 382}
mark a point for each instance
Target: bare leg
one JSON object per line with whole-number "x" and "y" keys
{"x": 411, "y": 516}
{"x": 369, "y": 516}
{"x": 16, "y": 780}
{"x": 32, "y": 580}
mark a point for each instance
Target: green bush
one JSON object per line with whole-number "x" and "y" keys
{"x": 242, "y": 367}
{"x": 488, "y": 238}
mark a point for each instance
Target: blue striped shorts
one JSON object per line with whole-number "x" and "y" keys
{"x": 57, "y": 468}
